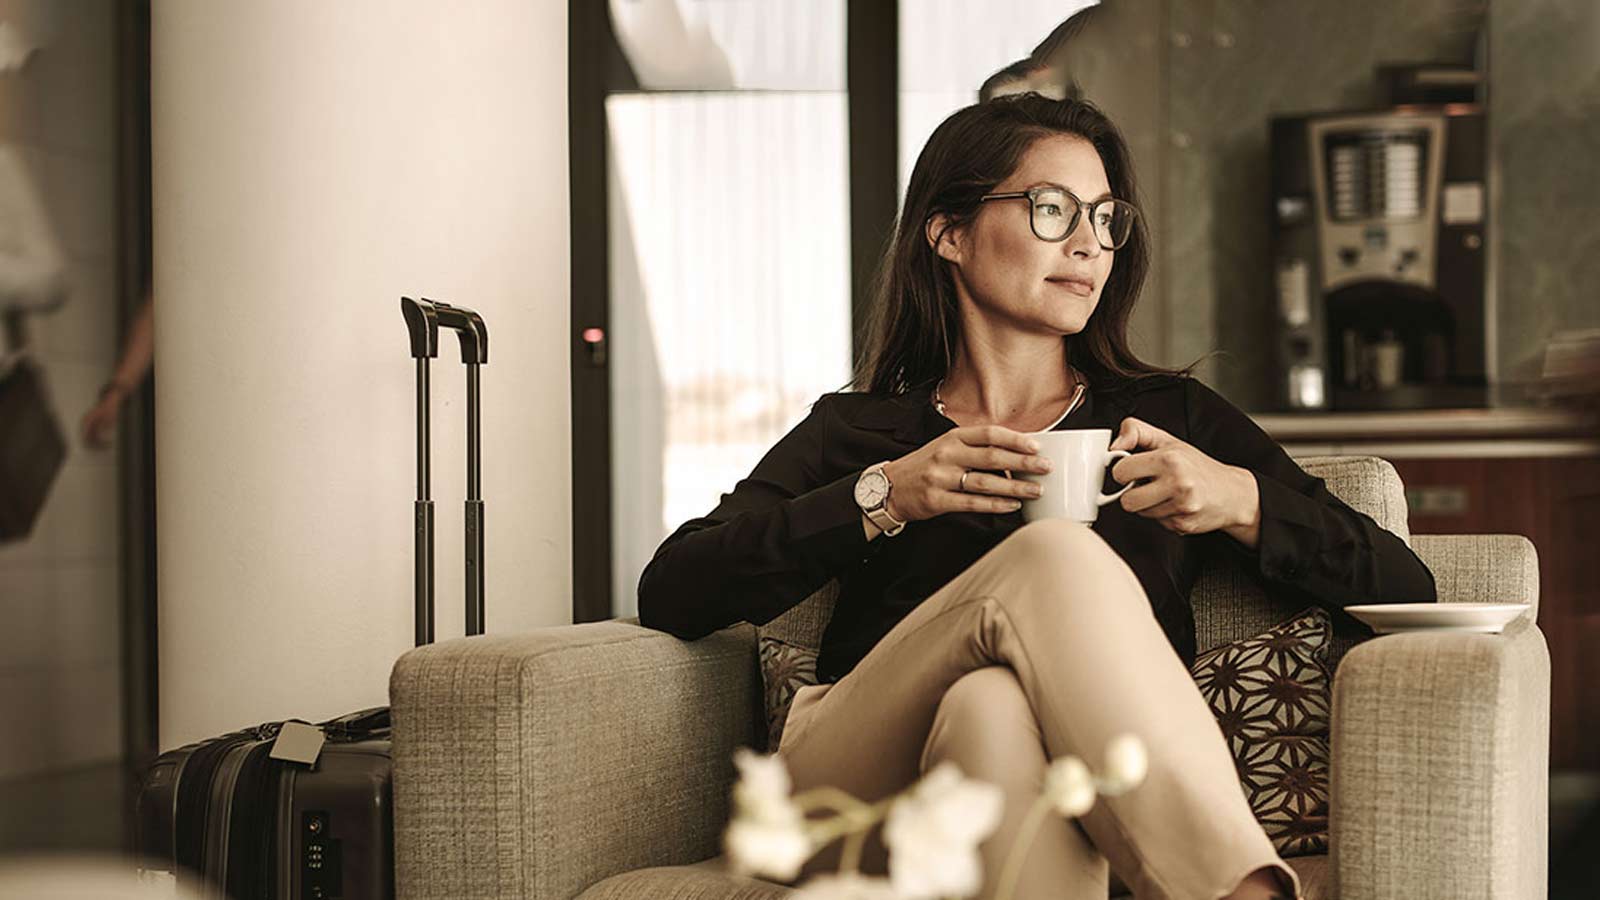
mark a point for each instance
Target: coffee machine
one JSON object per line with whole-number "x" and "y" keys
{"x": 1379, "y": 233}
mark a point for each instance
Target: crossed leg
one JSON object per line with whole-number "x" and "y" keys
{"x": 985, "y": 726}
{"x": 1057, "y": 607}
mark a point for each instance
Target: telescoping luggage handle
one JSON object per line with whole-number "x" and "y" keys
{"x": 423, "y": 319}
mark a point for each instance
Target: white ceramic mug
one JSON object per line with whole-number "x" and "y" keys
{"x": 1071, "y": 489}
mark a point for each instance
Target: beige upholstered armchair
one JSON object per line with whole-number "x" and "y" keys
{"x": 597, "y": 759}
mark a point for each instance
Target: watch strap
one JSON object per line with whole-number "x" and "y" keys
{"x": 879, "y": 515}
{"x": 886, "y": 523}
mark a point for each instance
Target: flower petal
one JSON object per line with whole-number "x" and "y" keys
{"x": 760, "y": 774}
{"x": 1126, "y": 764}
{"x": 762, "y": 791}
{"x": 761, "y": 849}
{"x": 1069, "y": 786}
{"x": 933, "y": 830}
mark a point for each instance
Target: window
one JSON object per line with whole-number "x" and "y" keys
{"x": 729, "y": 256}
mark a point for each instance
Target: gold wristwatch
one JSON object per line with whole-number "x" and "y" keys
{"x": 872, "y": 495}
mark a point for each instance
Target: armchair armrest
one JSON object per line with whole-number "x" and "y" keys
{"x": 1440, "y": 766}
{"x": 1481, "y": 568}
{"x": 533, "y": 765}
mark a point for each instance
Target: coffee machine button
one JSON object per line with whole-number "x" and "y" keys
{"x": 1349, "y": 255}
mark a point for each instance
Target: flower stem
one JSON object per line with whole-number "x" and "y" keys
{"x": 850, "y": 859}
{"x": 826, "y": 797}
{"x": 1019, "y": 847}
{"x": 853, "y": 819}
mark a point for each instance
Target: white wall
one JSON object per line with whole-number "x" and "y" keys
{"x": 313, "y": 162}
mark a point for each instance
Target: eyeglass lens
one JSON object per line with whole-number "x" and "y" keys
{"x": 1055, "y": 213}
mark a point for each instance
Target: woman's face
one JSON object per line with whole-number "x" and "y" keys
{"x": 1010, "y": 274}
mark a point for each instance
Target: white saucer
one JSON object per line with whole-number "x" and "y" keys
{"x": 1391, "y": 618}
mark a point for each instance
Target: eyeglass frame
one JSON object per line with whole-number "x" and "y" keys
{"x": 1077, "y": 212}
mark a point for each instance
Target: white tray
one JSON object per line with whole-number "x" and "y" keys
{"x": 1390, "y": 618}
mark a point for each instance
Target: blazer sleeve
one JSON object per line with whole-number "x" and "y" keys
{"x": 779, "y": 536}
{"x": 1310, "y": 540}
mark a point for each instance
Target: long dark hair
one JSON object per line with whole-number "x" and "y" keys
{"x": 913, "y": 321}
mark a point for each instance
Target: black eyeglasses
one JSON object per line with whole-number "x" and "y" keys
{"x": 1053, "y": 214}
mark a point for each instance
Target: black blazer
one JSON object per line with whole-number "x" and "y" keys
{"x": 793, "y": 523}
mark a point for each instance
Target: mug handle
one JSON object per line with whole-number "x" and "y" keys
{"x": 1111, "y": 456}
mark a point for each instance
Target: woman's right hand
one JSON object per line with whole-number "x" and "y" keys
{"x": 101, "y": 420}
{"x": 926, "y": 481}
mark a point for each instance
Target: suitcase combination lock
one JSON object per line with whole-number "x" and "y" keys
{"x": 321, "y": 872}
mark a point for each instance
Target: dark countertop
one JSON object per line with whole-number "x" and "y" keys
{"x": 1495, "y": 431}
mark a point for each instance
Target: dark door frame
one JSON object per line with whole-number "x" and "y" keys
{"x": 136, "y": 463}
{"x": 872, "y": 81}
{"x": 597, "y": 67}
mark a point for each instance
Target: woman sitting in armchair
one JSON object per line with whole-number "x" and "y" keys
{"x": 962, "y": 633}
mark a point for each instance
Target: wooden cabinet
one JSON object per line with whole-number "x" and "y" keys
{"x": 1533, "y": 471}
{"x": 1555, "y": 502}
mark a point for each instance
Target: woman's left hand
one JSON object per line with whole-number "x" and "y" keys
{"x": 1187, "y": 491}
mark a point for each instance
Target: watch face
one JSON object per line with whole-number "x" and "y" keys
{"x": 871, "y": 489}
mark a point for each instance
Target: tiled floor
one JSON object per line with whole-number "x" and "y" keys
{"x": 78, "y": 809}
{"x": 89, "y": 809}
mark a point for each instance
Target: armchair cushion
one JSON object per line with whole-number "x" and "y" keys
{"x": 1269, "y": 694}
{"x": 785, "y": 669}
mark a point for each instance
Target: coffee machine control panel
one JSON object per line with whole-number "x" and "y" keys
{"x": 1378, "y": 271}
{"x": 1375, "y": 183}
{"x": 1375, "y": 257}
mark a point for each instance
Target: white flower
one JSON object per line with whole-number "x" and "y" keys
{"x": 1069, "y": 786}
{"x": 767, "y": 835}
{"x": 772, "y": 849}
{"x": 1126, "y": 765}
{"x": 762, "y": 790}
{"x": 846, "y": 886}
{"x": 933, "y": 831}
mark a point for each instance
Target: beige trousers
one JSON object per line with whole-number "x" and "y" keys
{"x": 1046, "y": 646}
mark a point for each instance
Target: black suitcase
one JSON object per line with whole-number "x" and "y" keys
{"x": 222, "y": 814}
{"x": 226, "y": 817}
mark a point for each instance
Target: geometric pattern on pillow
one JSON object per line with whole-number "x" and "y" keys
{"x": 785, "y": 668}
{"x": 1270, "y": 696}
{"x": 1286, "y": 779}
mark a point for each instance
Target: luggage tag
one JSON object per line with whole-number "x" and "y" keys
{"x": 298, "y": 742}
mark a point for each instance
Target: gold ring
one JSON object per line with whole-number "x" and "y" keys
{"x": 964, "y": 475}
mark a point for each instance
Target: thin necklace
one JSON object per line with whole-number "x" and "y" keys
{"x": 1077, "y": 394}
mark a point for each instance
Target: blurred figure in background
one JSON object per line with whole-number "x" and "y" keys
{"x": 33, "y": 281}
{"x": 32, "y": 264}
{"x": 138, "y": 351}
{"x": 1059, "y": 66}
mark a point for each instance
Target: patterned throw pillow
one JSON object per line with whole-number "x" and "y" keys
{"x": 785, "y": 668}
{"x": 1270, "y": 696}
